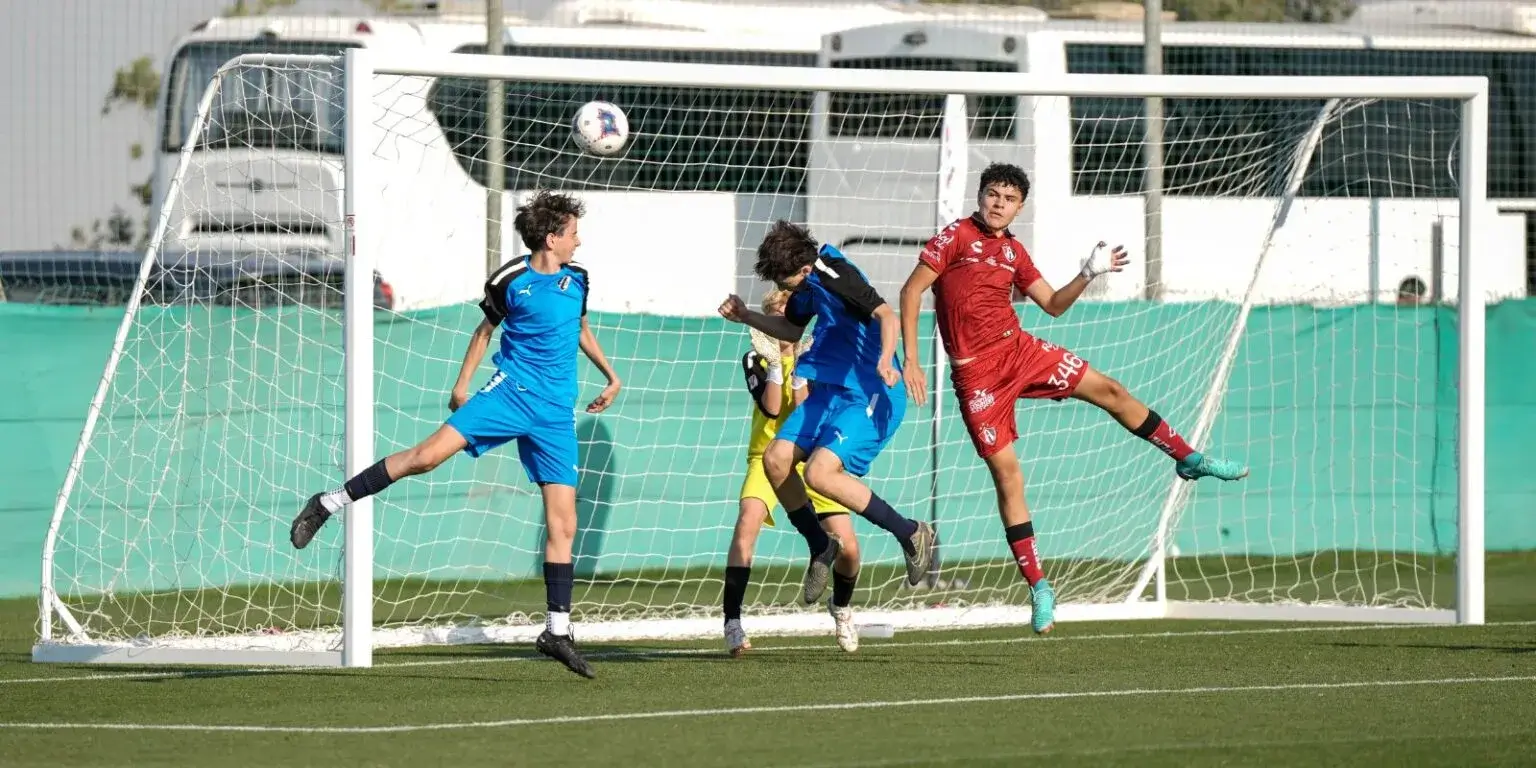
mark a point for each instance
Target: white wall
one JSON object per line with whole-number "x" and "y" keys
{"x": 1322, "y": 253}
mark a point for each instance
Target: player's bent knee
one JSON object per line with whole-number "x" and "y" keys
{"x": 821, "y": 471}
{"x": 778, "y": 461}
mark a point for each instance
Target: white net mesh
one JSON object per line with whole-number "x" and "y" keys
{"x": 225, "y": 412}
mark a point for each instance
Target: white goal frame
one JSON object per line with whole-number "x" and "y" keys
{"x": 353, "y": 645}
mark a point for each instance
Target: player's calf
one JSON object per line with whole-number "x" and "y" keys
{"x": 736, "y": 579}
{"x": 826, "y": 476}
{"x": 426, "y": 456}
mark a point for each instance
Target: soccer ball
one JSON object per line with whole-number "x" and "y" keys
{"x": 600, "y": 128}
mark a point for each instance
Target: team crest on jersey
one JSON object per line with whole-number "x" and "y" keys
{"x": 565, "y": 282}
{"x": 1008, "y": 253}
{"x": 980, "y": 401}
{"x": 988, "y": 435}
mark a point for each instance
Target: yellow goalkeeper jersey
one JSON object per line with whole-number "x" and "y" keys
{"x": 764, "y": 427}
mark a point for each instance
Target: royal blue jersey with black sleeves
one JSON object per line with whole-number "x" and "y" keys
{"x": 846, "y": 347}
{"x": 540, "y": 320}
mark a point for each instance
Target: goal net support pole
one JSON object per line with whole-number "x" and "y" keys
{"x": 100, "y": 627}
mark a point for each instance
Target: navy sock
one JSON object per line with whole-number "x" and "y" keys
{"x": 558, "y": 578}
{"x": 736, "y": 578}
{"x": 804, "y": 520}
{"x": 881, "y": 514}
{"x": 842, "y": 588}
{"x": 368, "y": 482}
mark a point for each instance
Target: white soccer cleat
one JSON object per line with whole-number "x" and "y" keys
{"x": 736, "y": 641}
{"x": 847, "y": 632}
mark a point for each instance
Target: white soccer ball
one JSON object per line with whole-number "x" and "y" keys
{"x": 600, "y": 128}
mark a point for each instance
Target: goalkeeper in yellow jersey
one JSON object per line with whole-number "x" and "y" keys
{"x": 769, "y": 372}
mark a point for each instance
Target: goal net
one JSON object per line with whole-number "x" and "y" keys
{"x": 1275, "y": 335}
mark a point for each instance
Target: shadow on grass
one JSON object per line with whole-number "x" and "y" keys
{"x": 1529, "y": 647}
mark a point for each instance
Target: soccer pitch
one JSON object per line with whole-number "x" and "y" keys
{"x": 1133, "y": 693}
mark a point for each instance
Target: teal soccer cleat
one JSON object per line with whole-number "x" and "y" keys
{"x": 1043, "y": 616}
{"x": 1197, "y": 465}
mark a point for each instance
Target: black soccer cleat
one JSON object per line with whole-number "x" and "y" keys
{"x": 820, "y": 570}
{"x": 308, "y": 523}
{"x": 562, "y": 648}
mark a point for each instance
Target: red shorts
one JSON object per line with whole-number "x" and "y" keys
{"x": 1021, "y": 368}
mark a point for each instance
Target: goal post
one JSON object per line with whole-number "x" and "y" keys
{"x": 215, "y": 420}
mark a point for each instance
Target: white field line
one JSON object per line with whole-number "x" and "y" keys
{"x": 830, "y": 707}
{"x": 665, "y": 652}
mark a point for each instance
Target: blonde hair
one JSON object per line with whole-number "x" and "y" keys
{"x": 775, "y": 297}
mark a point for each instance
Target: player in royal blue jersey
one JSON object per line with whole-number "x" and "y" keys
{"x": 856, "y": 404}
{"x": 540, "y": 304}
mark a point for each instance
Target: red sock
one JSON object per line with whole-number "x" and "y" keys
{"x": 1160, "y": 433}
{"x": 1021, "y": 539}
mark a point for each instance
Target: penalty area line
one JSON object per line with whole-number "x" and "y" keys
{"x": 829, "y": 707}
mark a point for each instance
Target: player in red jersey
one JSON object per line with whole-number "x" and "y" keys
{"x": 976, "y": 267}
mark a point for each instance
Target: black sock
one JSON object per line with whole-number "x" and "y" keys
{"x": 881, "y": 514}
{"x": 842, "y": 588}
{"x": 804, "y": 520}
{"x": 558, "y": 578}
{"x": 368, "y": 482}
{"x": 736, "y": 578}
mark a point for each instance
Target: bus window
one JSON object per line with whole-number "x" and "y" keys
{"x": 1384, "y": 148}
{"x": 914, "y": 116}
{"x": 682, "y": 139}
{"x": 257, "y": 107}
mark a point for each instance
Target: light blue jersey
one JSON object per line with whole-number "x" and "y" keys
{"x": 540, "y": 318}
{"x": 532, "y": 395}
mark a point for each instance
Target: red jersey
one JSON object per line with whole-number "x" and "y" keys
{"x": 973, "y": 296}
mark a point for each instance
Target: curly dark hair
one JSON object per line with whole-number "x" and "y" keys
{"x": 1006, "y": 175}
{"x": 785, "y": 249}
{"x": 545, "y": 214}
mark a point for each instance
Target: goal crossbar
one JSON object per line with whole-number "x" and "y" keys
{"x": 746, "y": 76}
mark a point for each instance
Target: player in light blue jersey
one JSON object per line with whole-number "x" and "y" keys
{"x": 856, "y": 404}
{"x": 540, "y": 304}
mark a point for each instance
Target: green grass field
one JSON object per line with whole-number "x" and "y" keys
{"x": 1133, "y": 693}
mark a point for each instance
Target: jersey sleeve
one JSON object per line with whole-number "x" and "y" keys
{"x": 848, "y": 284}
{"x": 752, "y": 369}
{"x": 940, "y": 249}
{"x": 496, "y": 304}
{"x": 1024, "y": 273}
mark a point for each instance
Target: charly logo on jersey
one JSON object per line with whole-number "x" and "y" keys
{"x": 980, "y": 401}
{"x": 565, "y": 282}
{"x": 976, "y": 246}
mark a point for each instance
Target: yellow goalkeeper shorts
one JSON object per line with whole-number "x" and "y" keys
{"x": 756, "y": 486}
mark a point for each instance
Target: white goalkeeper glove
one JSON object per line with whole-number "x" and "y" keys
{"x": 1101, "y": 260}
{"x": 776, "y": 371}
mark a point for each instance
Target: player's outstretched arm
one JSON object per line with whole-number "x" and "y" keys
{"x": 912, "y": 291}
{"x": 594, "y": 352}
{"x": 777, "y": 326}
{"x": 473, "y": 354}
{"x": 1056, "y": 301}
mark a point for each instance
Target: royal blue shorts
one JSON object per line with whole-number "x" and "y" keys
{"x": 503, "y": 411}
{"x": 855, "y": 426}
